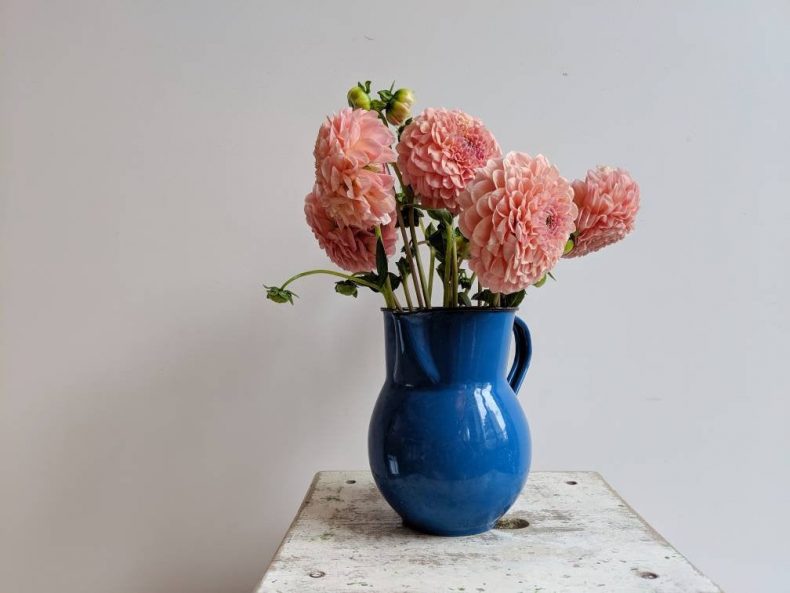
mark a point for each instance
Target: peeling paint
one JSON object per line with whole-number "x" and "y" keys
{"x": 567, "y": 532}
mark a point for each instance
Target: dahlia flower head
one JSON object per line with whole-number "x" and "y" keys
{"x": 351, "y": 248}
{"x": 440, "y": 151}
{"x": 351, "y": 152}
{"x": 608, "y": 200}
{"x": 517, "y": 213}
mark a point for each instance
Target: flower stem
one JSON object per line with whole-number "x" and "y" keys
{"x": 395, "y": 302}
{"x": 455, "y": 272}
{"x": 417, "y": 256}
{"x": 424, "y": 299}
{"x": 354, "y": 279}
{"x": 448, "y": 253}
{"x": 432, "y": 269}
{"x": 410, "y": 261}
{"x": 389, "y": 294}
{"x": 406, "y": 294}
{"x": 497, "y": 299}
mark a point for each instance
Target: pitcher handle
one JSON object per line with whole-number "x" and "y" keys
{"x": 523, "y": 354}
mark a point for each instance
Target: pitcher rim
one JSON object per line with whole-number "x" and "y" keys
{"x": 451, "y": 310}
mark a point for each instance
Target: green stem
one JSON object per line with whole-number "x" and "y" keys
{"x": 432, "y": 268}
{"x": 394, "y": 296}
{"x": 354, "y": 279}
{"x": 448, "y": 253}
{"x": 413, "y": 233}
{"x": 426, "y": 301}
{"x": 455, "y": 272}
{"x": 497, "y": 299}
{"x": 406, "y": 293}
{"x": 389, "y": 294}
{"x": 410, "y": 261}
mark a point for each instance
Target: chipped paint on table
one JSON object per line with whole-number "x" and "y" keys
{"x": 568, "y": 532}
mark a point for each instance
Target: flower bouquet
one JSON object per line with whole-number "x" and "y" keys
{"x": 428, "y": 212}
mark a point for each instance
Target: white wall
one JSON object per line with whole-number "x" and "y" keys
{"x": 160, "y": 419}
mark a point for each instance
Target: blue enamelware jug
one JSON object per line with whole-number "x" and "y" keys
{"x": 449, "y": 445}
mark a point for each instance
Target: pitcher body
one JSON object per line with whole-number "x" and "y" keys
{"x": 449, "y": 445}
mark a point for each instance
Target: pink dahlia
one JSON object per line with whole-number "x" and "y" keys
{"x": 351, "y": 152}
{"x": 351, "y": 248}
{"x": 608, "y": 200}
{"x": 440, "y": 151}
{"x": 517, "y": 214}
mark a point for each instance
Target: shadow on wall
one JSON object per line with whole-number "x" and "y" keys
{"x": 165, "y": 474}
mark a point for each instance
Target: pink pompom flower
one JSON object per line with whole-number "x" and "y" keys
{"x": 517, "y": 213}
{"x": 351, "y": 248}
{"x": 440, "y": 151}
{"x": 351, "y": 152}
{"x": 608, "y": 200}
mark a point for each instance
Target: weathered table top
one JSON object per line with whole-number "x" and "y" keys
{"x": 568, "y": 532}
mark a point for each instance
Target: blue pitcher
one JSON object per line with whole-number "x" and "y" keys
{"x": 449, "y": 445}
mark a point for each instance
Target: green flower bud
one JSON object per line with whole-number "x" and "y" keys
{"x": 404, "y": 96}
{"x": 347, "y": 288}
{"x": 358, "y": 98}
{"x": 397, "y": 113}
{"x": 279, "y": 295}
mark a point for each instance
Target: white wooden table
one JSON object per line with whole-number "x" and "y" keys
{"x": 568, "y": 532}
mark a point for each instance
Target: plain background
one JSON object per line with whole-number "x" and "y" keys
{"x": 161, "y": 420}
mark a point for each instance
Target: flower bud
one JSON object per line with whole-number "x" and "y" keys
{"x": 358, "y": 98}
{"x": 397, "y": 113}
{"x": 404, "y": 96}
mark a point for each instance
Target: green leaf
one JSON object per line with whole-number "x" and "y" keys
{"x": 381, "y": 262}
{"x": 371, "y": 278}
{"x": 540, "y": 282}
{"x": 406, "y": 212}
{"x": 513, "y": 299}
{"x": 550, "y": 275}
{"x": 463, "y": 299}
{"x": 461, "y": 245}
{"x": 394, "y": 280}
{"x": 438, "y": 240}
{"x": 464, "y": 280}
{"x": 485, "y": 296}
{"x": 441, "y": 216}
{"x": 280, "y": 295}
{"x": 569, "y": 245}
{"x": 403, "y": 267}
